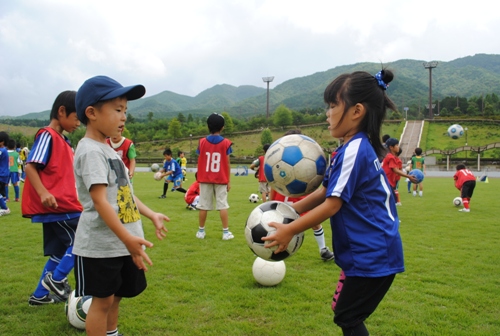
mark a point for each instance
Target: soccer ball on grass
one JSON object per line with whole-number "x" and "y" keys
{"x": 257, "y": 226}
{"x": 457, "y": 201}
{"x": 455, "y": 131}
{"x": 254, "y": 198}
{"x": 268, "y": 273}
{"x": 294, "y": 165}
{"x": 76, "y": 308}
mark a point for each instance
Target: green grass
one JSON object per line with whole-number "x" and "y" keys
{"x": 205, "y": 287}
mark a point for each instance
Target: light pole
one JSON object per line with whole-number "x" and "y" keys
{"x": 267, "y": 80}
{"x": 190, "y": 145}
{"x": 466, "y": 129}
{"x": 430, "y": 66}
{"x": 406, "y": 110}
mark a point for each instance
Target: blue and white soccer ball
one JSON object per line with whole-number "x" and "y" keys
{"x": 76, "y": 308}
{"x": 418, "y": 175}
{"x": 455, "y": 131}
{"x": 257, "y": 227}
{"x": 294, "y": 165}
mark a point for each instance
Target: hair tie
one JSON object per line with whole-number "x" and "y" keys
{"x": 380, "y": 81}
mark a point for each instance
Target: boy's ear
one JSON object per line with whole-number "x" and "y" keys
{"x": 90, "y": 112}
{"x": 61, "y": 111}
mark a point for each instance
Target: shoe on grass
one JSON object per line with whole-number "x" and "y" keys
{"x": 44, "y": 300}
{"x": 464, "y": 210}
{"x": 227, "y": 236}
{"x": 162, "y": 196}
{"x": 326, "y": 254}
{"x": 200, "y": 234}
{"x": 4, "y": 212}
{"x": 60, "y": 289}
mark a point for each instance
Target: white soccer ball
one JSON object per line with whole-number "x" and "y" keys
{"x": 268, "y": 273}
{"x": 257, "y": 227}
{"x": 457, "y": 201}
{"x": 294, "y": 165}
{"x": 254, "y": 198}
{"x": 157, "y": 176}
{"x": 155, "y": 167}
{"x": 455, "y": 131}
{"x": 76, "y": 308}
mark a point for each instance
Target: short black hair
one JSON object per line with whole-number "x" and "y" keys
{"x": 167, "y": 151}
{"x": 66, "y": 99}
{"x": 418, "y": 151}
{"x": 385, "y": 137}
{"x": 179, "y": 153}
{"x": 11, "y": 144}
{"x": 460, "y": 166}
{"x": 4, "y": 137}
{"x": 266, "y": 147}
{"x": 215, "y": 123}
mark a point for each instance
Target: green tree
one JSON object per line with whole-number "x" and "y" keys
{"x": 228, "y": 123}
{"x": 181, "y": 118}
{"x": 266, "y": 137}
{"x": 174, "y": 129}
{"x": 190, "y": 118}
{"x": 150, "y": 116}
{"x": 282, "y": 116}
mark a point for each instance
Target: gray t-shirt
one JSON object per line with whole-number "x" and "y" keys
{"x": 98, "y": 163}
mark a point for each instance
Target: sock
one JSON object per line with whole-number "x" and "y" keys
{"x": 50, "y": 265}
{"x": 319, "y": 235}
{"x": 3, "y": 205}
{"x": 7, "y": 191}
{"x": 465, "y": 202}
{"x": 65, "y": 266}
{"x": 182, "y": 190}
{"x": 201, "y": 229}
{"x": 226, "y": 230}
{"x": 420, "y": 193}
{"x": 414, "y": 193}
{"x": 165, "y": 188}
{"x": 112, "y": 332}
{"x": 397, "y": 196}
{"x": 16, "y": 191}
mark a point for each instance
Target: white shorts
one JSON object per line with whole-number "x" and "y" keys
{"x": 208, "y": 192}
{"x": 263, "y": 188}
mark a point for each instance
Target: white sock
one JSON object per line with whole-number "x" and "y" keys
{"x": 414, "y": 193}
{"x": 421, "y": 193}
{"x": 112, "y": 332}
{"x": 319, "y": 235}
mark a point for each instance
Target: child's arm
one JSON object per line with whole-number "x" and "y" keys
{"x": 132, "y": 168}
{"x": 229, "y": 175}
{"x": 310, "y": 202}
{"x": 46, "y": 197}
{"x": 412, "y": 178}
{"x": 285, "y": 232}
{"x": 134, "y": 244}
{"x": 156, "y": 217}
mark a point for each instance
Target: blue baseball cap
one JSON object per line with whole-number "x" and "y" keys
{"x": 100, "y": 88}
{"x": 391, "y": 142}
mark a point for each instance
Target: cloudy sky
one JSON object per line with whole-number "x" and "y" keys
{"x": 48, "y": 46}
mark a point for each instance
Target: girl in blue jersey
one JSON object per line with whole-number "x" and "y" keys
{"x": 357, "y": 198}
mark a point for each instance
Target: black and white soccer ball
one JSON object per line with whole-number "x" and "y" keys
{"x": 294, "y": 165}
{"x": 76, "y": 308}
{"x": 257, "y": 227}
{"x": 254, "y": 198}
{"x": 457, "y": 201}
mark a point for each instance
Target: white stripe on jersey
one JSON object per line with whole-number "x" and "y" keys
{"x": 350, "y": 154}
{"x": 44, "y": 145}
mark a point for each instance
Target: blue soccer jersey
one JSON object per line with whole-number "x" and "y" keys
{"x": 365, "y": 232}
{"x": 174, "y": 167}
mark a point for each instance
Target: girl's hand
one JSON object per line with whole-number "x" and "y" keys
{"x": 135, "y": 247}
{"x": 158, "y": 219}
{"x": 279, "y": 238}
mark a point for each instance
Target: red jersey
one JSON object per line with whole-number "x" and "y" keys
{"x": 192, "y": 192}
{"x": 462, "y": 176}
{"x": 213, "y": 161}
{"x": 262, "y": 176}
{"x": 391, "y": 161}
{"x": 57, "y": 177}
{"x": 122, "y": 150}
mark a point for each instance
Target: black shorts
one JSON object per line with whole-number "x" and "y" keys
{"x": 58, "y": 236}
{"x": 468, "y": 189}
{"x": 359, "y": 298}
{"x": 2, "y": 188}
{"x": 103, "y": 277}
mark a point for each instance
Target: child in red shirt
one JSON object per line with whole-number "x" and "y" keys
{"x": 465, "y": 181}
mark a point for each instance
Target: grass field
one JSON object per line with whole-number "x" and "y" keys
{"x": 205, "y": 287}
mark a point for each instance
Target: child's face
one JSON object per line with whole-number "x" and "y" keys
{"x": 69, "y": 123}
{"x": 181, "y": 155}
{"x": 337, "y": 128}
{"x": 394, "y": 149}
{"x": 167, "y": 157}
{"x": 110, "y": 117}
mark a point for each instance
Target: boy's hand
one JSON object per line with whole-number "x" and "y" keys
{"x": 158, "y": 219}
{"x": 413, "y": 179}
{"x": 48, "y": 200}
{"x": 134, "y": 246}
{"x": 280, "y": 238}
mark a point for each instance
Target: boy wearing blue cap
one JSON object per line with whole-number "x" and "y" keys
{"x": 109, "y": 243}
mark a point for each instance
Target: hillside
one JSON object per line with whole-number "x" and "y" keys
{"x": 464, "y": 77}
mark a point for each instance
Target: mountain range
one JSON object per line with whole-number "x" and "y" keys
{"x": 464, "y": 77}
